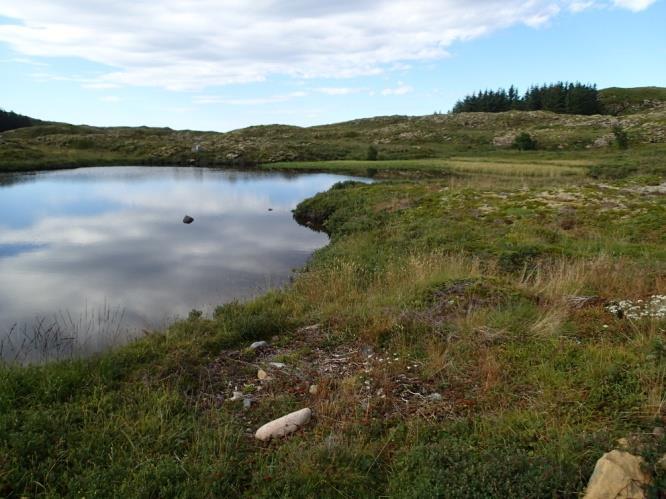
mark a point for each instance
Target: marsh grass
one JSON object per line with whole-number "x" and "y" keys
{"x": 64, "y": 336}
{"x": 489, "y": 166}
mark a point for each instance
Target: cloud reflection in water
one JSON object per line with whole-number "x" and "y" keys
{"x": 114, "y": 237}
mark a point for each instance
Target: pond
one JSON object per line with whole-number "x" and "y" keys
{"x": 93, "y": 256}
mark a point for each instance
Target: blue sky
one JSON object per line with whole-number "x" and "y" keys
{"x": 220, "y": 65}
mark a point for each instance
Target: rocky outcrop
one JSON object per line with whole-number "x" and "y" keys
{"x": 618, "y": 475}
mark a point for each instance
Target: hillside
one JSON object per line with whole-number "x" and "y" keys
{"x": 396, "y": 137}
{"x": 632, "y": 100}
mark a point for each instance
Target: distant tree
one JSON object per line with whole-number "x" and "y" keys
{"x": 373, "y": 153}
{"x": 10, "y": 120}
{"x": 621, "y": 137}
{"x": 560, "y": 97}
{"x": 524, "y": 142}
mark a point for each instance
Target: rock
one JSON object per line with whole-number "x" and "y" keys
{"x": 258, "y": 344}
{"x": 604, "y": 141}
{"x": 658, "y": 432}
{"x": 435, "y": 397}
{"x": 284, "y": 426}
{"x": 277, "y": 365}
{"x": 188, "y": 219}
{"x": 310, "y": 329}
{"x": 617, "y": 475}
{"x": 270, "y": 209}
{"x": 262, "y": 375}
{"x": 237, "y": 396}
{"x": 505, "y": 140}
{"x": 314, "y": 389}
{"x": 583, "y": 301}
{"x": 247, "y": 403}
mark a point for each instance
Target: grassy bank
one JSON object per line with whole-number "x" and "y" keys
{"x": 444, "y": 327}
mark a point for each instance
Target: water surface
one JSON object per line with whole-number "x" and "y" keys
{"x": 99, "y": 252}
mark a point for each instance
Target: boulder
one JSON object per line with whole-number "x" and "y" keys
{"x": 284, "y": 426}
{"x": 617, "y": 475}
{"x": 258, "y": 344}
{"x": 188, "y": 219}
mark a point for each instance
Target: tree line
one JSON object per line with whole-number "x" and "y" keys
{"x": 10, "y": 120}
{"x": 560, "y": 97}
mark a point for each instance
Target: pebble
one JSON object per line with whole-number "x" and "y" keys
{"x": 258, "y": 344}
{"x": 314, "y": 389}
{"x": 262, "y": 375}
{"x": 247, "y": 403}
{"x": 435, "y": 397}
{"x": 237, "y": 396}
{"x": 277, "y": 365}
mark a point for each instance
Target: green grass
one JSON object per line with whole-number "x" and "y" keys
{"x": 463, "y": 283}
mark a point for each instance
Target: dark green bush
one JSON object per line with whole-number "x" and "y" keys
{"x": 524, "y": 142}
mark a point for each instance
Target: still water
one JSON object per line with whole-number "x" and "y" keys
{"x": 90, "y": 255}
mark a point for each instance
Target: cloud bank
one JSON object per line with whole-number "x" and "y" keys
{"x": 201, "y": 43}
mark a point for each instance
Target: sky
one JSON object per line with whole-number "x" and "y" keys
{"x": 226, "y": 64}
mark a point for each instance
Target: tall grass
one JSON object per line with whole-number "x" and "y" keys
{"x": 64, "y": 336}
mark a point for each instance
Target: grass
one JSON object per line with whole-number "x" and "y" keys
{"x": 491, "y": 166}
{"x": 458, "y": 286}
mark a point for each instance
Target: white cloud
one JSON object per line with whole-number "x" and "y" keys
{"x": 581, "y": 5}
{"x": 201, "y": 43}
{"x": 401, "y": 89}
{"x": 110, "y": 98}
{"x": 339, "y": 90}
{"x": 252, "y": 101}
{"x": 634, "y": 5}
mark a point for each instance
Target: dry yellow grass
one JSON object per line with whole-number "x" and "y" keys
{"x": 521, "y": 169}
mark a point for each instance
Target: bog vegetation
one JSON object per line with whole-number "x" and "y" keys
{"x": 482, "y": 324}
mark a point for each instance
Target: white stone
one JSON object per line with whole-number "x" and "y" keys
{"x": 237, "y": 396}
{"x": 262, "y": 375}
{"x": 284, "y": 426}
{"x": 277, "y": 365}
{"x": 313, "y": 389}
{"x": 617, "y": 475}
{"x": 258, "y": 344}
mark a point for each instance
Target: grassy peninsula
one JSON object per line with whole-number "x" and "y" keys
{"x": 485, "y": 322}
